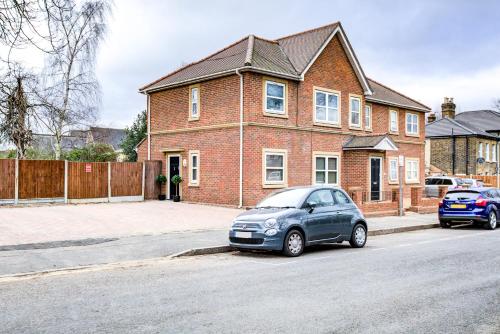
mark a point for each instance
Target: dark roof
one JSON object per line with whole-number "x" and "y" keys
{"x": 389, "y": 96}
{"x": 113, "y": 137}
{"x": 286, "y": 57}
{"x": 486, "y": 120}
{"x": 366, "y": 142}
{"x": 445, "y": 127}
{"x": 46, "y": 143}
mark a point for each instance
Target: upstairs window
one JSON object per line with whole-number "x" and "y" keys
{"x": 480, "y": 153}
{"x": 411, "y": 124}
{"x": 393, "y": 121}
{"x": 194, "y": 102}
{"x": 487, "y": 155}
{"x": 368, "y": 117}
{"x": 275, "y": 97}
{"x": 326, "y": 107}
{"x": 494, "y": 153}
{"x": 355, "y": 111}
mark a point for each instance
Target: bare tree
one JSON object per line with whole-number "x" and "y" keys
{"x": 71, "y": 95}
{"x": 17, "y": 106}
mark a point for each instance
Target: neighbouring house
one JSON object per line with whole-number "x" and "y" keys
{"x": 263, "y": 114}
{"x": 80, "y": 138}
{"x": 464, "y": 143}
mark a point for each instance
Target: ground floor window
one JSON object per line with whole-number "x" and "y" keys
{"x": 393, "y": 169}
{"x": 326, "y": 169}
{"x": 194, "y": 168}
{"x": 412, "y": 166}
{"x": 274, "y": 167}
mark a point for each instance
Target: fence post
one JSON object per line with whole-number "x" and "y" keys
{"x": 16, "y": 183}
{"x": 143, "y": 178}
{"x": 66, "y": 181}
{"x": 109, "y": 181}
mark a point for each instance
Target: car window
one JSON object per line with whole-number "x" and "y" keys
{"x": 447, "y": 182}
{"x": 321, "y": 197}
{"x": 340, "y": 197}
{"x": 462, "y": 195}
{"x": 430, "y": 182}
{"x": 459, "y": 181}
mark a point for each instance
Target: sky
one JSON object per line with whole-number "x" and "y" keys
{"x": 424, "y": 49}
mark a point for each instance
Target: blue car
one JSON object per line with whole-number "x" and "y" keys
{"x": 480, "y": 206}
{"x": 292, "y": 218}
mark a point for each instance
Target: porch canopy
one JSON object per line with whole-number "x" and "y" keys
{"x": 375, "y": 143}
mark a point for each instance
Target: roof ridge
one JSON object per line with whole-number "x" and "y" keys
{"x": 395, "y": 91}
{"x": 193, "y": 63}
{"x": 266, "y": 39}
{"x": 309, "y": 30}
{"x": 249, "y": 54}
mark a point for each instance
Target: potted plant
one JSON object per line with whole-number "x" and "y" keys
{"x": 161, "y": 179}
{"x": 176, "y": 179}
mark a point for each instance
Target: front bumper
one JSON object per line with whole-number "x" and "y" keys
{"x": 258, "y": 240}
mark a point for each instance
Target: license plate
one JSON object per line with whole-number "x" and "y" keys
{"x": 238, "y": 234}
{"x": 458, "y": 206}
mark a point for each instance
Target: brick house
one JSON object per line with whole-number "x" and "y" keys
{"x": 464, "y": 143}
{"x": 263, "y": 114}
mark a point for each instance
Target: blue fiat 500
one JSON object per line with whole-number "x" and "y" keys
{"x": 480, "y": 206}
{"x": 292, "y": 218}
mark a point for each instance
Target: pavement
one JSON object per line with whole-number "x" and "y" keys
{"x": 104, "y": 240}
{"x": 430, "y": 281}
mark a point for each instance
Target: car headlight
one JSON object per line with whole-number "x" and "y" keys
{"x": 271, "y": 232}
{"x": 271, "y": 223}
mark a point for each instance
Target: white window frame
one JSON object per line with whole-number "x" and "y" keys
{"x": 326, "y": 156}
{"x": 396, "y": 161}
{"x": 408, "y": 162}
{"x": 351, "y": 124}
{"x": 284, "y": 98}
{"x": 192, "y": 182}
{"x": 396, "y": 128}
{"x": 480, "y": 151}
{"x": 197, "y": 102}
{"x": 368, "y": 117}
{"x": 493, "y": 152}
{"x": 327, "y": 92}
{"x": 274, "y": 184}
{"x": 487, "y": 150}
{"x": 416, "y": 119}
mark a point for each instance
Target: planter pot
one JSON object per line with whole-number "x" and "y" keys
{"x": 177, "y": 198}
{"x": 162, "y": 197}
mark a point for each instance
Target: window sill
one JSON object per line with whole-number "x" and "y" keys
{"x": 369, "y": 129}
{"x": 394, "y": 133}
{"x": 194, "y": 185}
{"x": 270, "y": 114}
{"x": 193, "y": 119}
{"x": 394, "y": 182}
{"x": 328, "y": 125}
{"x": 414, "y": 135}
{"x": 412, "y": 182}
{"x": 274, "y": 186}
{"x": 355, "y": 128}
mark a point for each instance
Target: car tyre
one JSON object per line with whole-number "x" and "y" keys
{"x": 444, "y": 224}
{"x": 492, "y": 221}
{"x": 358, "y": 236}
{"x": 293, "y": 245}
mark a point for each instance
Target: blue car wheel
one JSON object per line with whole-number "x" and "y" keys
{"x": 492, "y": 221}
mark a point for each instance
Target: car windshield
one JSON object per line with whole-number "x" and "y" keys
{"x": 462, "y": 195}
{"x": 284, "y": 199}
{"x": 468, "y": 181}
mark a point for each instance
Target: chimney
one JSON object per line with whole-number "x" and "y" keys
{"x": 431, "y": 118}
{"x": 448, "y": 108}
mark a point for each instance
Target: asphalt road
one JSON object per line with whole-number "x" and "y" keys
{"x": 433, "y": 281}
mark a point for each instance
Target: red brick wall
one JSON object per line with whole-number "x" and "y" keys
{"x": 142, "y": 150}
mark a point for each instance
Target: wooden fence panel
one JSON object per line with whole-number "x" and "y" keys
{"x": 151, "y": 188}
{"x": 126, "y": 179}
{"x": 7, "y": 178}
{"x": 87, "y": 180}
{"x": 41, "y": 179}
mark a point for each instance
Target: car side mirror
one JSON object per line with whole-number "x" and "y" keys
{"x": 310, "y": 206}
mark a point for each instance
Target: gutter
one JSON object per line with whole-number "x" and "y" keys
{"x": 240, "y": 203}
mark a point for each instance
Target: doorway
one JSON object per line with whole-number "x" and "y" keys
{"x": 173, "y": 164}
{"x": 375, "y": 178}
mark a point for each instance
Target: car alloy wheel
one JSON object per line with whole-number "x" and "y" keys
{"x": 294, "y": 243}
{"x": 358, "y": 237}
{"x": 492, "y": 221}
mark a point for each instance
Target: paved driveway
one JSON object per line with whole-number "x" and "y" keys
{"x": 71, "y": 222}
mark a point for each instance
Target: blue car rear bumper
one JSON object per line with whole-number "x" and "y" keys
{"x": 477, "y": 215}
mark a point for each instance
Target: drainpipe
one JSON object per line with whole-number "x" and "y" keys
{"x": 241, "y": 138}
{"x": 148, "y": 126}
